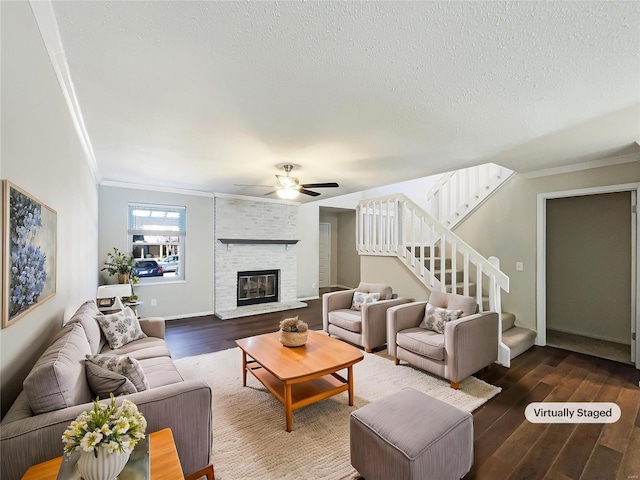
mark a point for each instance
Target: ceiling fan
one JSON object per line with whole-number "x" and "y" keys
{"x": 288, "y": 187}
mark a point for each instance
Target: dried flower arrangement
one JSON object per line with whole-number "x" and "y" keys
{"x": 293, "y": 325}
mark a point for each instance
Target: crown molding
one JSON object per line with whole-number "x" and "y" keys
{"x": 48, "y": 26}
{"x": 134, "y": 186}
{"x": 604, "y": 162}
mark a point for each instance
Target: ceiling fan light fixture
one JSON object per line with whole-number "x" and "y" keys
{"x": 287, "y": 181}
{"x": 287, "y": 193}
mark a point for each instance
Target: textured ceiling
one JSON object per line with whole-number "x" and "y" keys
{"x": 202, "y": 95}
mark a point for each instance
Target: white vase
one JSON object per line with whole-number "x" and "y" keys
{"x": 106, "y": 466}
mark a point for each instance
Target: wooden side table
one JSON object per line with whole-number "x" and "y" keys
{"x": 164, "y": 461}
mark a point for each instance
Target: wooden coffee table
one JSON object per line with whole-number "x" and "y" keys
{"x": 299, "y": 376}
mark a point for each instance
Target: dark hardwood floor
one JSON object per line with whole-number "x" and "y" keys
{"x": 506, "y": 445}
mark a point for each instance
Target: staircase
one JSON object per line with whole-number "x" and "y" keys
{"x": 395, "y": 226}
{"x": 457, "y": 194}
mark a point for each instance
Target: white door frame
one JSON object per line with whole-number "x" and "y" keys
{"x": 541, "y": 282}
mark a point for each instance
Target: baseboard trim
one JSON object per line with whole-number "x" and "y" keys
{"x": 582, "y": 334}
{"x": 187, "y": 315}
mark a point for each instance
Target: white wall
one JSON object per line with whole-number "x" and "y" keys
{"x": 307, "y": 248}
{"x": 194, "y": 295}
{"x": 41, "y": 154}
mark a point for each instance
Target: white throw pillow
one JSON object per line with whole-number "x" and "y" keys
{"x": 435, "y": 318}
{"x": 122, "y": 365}
{"x": 362, "y": 298}
{"x": 120, "y": 328}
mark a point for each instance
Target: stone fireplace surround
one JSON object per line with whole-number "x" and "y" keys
{"x": 253, "y": 235}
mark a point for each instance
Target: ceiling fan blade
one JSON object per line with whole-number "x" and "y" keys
{"x": 308, "y": 192}
{"x": 320, "y": 185}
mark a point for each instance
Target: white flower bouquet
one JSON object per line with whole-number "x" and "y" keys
{"x": 118, "y": 429}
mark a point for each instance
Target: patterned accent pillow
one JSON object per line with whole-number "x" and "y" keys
{"x": 362, "y": 298}
{"x": 104, "y": 382}
{"x": 122, "y": 365}
{"x": 120, "y": 328}
{"x": 435, "y": 318}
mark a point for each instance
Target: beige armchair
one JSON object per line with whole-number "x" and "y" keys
{"x": 365, "y": 327}
{"x": 467, "y": 345}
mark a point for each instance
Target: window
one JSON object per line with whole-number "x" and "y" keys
{"x": 157, "y": 236}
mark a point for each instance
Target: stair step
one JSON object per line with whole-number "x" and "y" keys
{"x": 519, "y": 340}
{"x": 508, "y": 321}
{"x": 436, "y": 262}
{"x": 427, "y": 251}
{"x": 460, "y": 289}
{"x": 448, "y": 274}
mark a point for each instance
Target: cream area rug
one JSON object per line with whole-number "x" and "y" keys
{"x": 249, "y": 437}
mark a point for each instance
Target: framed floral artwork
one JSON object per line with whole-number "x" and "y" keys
{"x": 29, "y": 245}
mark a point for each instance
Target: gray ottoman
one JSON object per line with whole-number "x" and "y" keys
{"x": 411, "y": 436}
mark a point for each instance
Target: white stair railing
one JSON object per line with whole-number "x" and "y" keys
{"x": 393, "y": 225}
{"x": 458, "y": 193}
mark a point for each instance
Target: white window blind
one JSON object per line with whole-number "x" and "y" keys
{"x": 145, "y": 219}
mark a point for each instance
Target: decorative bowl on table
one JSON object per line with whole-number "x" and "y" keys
{"x": 293, "y": 332}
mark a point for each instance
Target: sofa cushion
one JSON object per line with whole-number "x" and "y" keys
{"x": 347, "y": 319}
{"x": 435, "y": 318}
{"x": 361, "y": 298}
{"x": 58, "y": 378}
{"x": 123, "y": 365}
{"x": 148, "y": 347}
{"x": 160, "y": 371}
{"x": 85, "y": 316}
{"x": 104, "y": 382}
{"x": 120, "y": 328}
{"x": 423, "y": 342}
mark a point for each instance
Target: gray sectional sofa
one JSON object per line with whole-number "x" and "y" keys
{"x": 56, "y": 391}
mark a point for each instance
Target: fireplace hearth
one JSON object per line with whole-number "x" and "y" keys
{"x": 257, "y": 286}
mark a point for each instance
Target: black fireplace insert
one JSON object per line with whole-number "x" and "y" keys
{"x": 257, "y": 286}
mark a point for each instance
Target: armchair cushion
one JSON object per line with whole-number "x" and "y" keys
{"x": 424, "y": 342}
{"x": 435, "y": 318}
{"x": 348, "y": 319}
{"x": 361, "y": 298}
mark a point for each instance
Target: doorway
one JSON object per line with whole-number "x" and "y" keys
{"x": 587, "y": 271}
